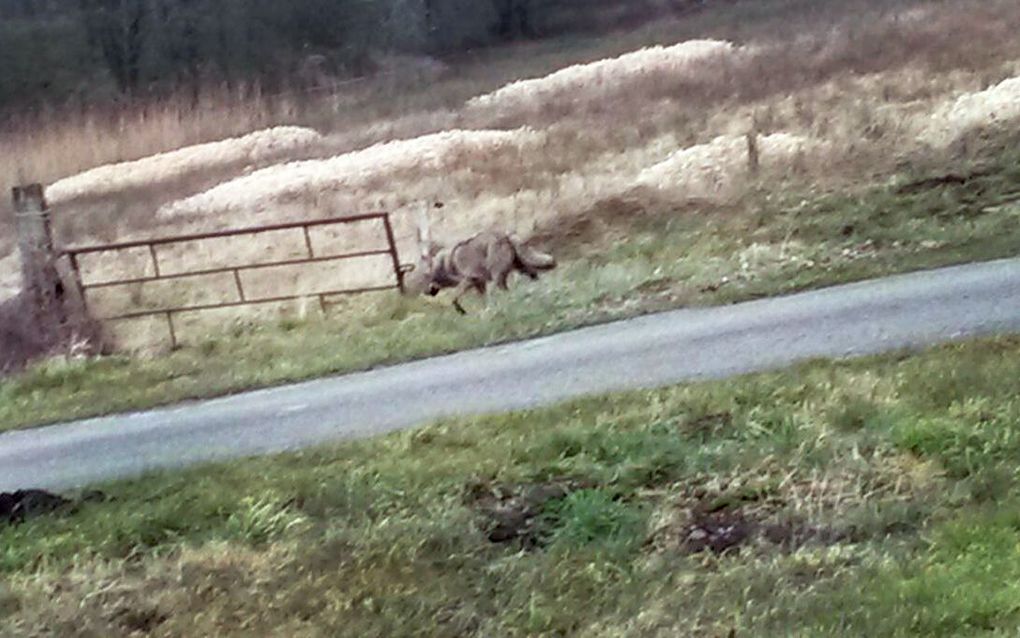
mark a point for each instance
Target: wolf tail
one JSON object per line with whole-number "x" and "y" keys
{"x": 531, "y": 258}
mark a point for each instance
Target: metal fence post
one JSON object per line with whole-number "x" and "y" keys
{"x": 393, "y": 253}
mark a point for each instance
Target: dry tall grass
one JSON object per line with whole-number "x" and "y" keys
{"x": 714, "y": 171}
{"x": 591, "y": 82}
{"x": 373, "y": 168}
{"x": 47, "y": 147}
{"x": 996, "y": 106}
{"x": 154, "y": 170}
{"x": 52, "y": 145}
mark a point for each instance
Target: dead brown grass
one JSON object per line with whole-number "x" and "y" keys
{"x": 48, "y": 145}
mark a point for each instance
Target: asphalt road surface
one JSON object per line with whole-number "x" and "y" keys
{"x": 904, "y": 311}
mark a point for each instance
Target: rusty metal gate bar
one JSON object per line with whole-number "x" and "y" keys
{"x": 399, "y": 271}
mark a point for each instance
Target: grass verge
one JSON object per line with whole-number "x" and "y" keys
{"x": 875, "y": 497}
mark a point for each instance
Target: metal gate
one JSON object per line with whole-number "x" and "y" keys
{"x": 167, "y": 262}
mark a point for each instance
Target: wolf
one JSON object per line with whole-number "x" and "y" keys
{"x": 472, "y": 264}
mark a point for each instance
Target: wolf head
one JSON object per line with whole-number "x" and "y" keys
{"x": 427, "y": 268}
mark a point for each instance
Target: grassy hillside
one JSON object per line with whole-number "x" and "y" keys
{"x": 614, "y": 264}
{"x": 877, "y": 497}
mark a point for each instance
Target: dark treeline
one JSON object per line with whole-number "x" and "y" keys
{"x": 94, "y": 50}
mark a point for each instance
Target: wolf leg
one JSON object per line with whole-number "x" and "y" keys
{"x": 462, "y": 289}
{"x": 525, "y": 268}
{"x": 528, "y": 271}
{"x": 504, "y": 278}
{"x": 481, "y": 286}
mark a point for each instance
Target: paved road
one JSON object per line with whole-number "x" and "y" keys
{"x": 663, "y": 349}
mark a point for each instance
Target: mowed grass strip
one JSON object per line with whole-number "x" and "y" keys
{"x": 873, "y": 497}
{"x": 627, "y": 257}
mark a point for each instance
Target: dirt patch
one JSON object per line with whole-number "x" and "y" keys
{"x": 513, "y": 513}
{"x": 719, "y": 532}
{"x": 720, "y": 521}
{"x": 705, "y": 425}
{"x": 949, "y": 179}
{"x": 727, "y": 531}
{"x": 727, "y": 522}
{"x": 139, "y": 621}
{"x": 790, "y": 535}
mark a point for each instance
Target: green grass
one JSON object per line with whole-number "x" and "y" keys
{"x": 644, "y": 255}
{"x": 882, "y": 498}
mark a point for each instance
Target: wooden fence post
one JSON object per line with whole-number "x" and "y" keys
{"x": 40, "y": 280}
{"x": 753, "y": 150}
{"x": 35, "y": 241}
{"x": 51, "y": 285}
{"x": 753, "y": 154}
